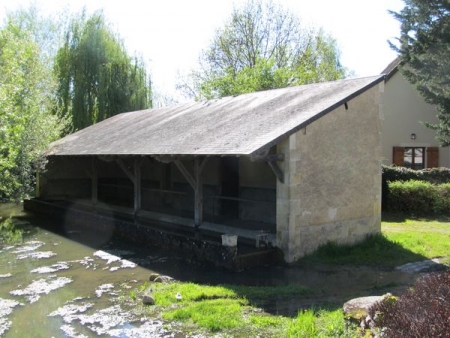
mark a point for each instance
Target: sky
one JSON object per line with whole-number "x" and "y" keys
{"x": 169, "y": 34}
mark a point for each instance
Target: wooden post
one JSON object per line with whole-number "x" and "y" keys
{"x": 198, "y": 218}
{"x": 197, "y": 184}
{"x": 135, "y": 177}
{"x": 137, "y": 185}
{"x": 94, "y": 180}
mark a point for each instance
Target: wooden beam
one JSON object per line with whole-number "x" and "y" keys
{"x": 187, "y": 175}
{"x": 202, "y": 164}
{"x": 198, "y": 192}
{"x": 137, "y": 185}
{"x": 196, "y": 183}
{"x": 277, "y": 170}
{"x": 125, "y": 169}
{"x": 94, "y": 181}
{"x": 268, "y": 158}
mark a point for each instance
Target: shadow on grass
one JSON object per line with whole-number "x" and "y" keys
{"x": 396, "y": 217}
{"x": 375, "y": 250}
{"x": 284, "y": 300}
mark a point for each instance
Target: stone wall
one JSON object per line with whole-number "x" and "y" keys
{"x": 332, "y": 173}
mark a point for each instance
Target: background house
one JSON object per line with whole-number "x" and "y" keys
{"x": 301, "y": 165}
{"x": 406, "y": 141}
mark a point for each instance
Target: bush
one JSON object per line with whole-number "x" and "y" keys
{"x": 423, "y": 311}
{"x": 415, "y": 197}
{"x": 436, "y": 176}
{"x": 418, "y": 197}
{"x": 433, "y": 175}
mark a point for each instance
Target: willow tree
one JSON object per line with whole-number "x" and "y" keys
{"x": 97, "y": 77}
{"x": 263, "y": 46}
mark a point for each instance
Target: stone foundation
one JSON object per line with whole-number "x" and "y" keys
{"x": 190, "y": 246}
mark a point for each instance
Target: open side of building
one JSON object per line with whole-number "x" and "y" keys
{"x": 292, "y": 168}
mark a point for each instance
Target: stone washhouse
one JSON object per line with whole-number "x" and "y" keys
{"x": 280, "y": 170}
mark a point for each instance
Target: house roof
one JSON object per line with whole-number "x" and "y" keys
{"x": 392, "y": 68}
{"x": 243, "y": 125}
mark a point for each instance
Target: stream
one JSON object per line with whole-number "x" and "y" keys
{"x": 70, "y": 286}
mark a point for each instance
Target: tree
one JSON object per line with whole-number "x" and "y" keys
{"x": 424, "y": 49}
{"x": 262, "y": 46}
{"x": 27, "y": 124}
{"x": 97, "y": 78}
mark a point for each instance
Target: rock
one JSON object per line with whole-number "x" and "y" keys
{"x": 356, "y": 311}
{"x": 430, "y": 265}
{"x": 153, "y": 276}
{"x": 148, "y": 299}
{"x": 357, "y": 308}
{"x": 163, "y": 279}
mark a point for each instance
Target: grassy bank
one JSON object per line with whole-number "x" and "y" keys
{"x": 238, "y": 311}
{"x": 402, "y": 241}
{"x": 234, "y": 311}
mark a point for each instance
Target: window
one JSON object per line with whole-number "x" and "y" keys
{"x": 414, "y": 158}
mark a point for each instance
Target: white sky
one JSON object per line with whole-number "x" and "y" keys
{"x": 170, "y": 34}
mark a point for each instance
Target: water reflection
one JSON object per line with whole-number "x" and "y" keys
{"x": 52, "y": 285}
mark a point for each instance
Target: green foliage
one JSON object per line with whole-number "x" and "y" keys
{"x": 416, "y": 192}
{"x": 376, "y": 250}
{"x": 413, "y": 197}
{"x": 165, "y": 293}
{"x": 263, "y": 46}
{"x": 419, "y": 197}
{"x": 264, "y": 292}
{"x": 425, "y": 243}
{"x": 422, "y": 311}
{"x": 9, "y": 234}
{"x": 215, "y": 315}
{"x": 433, "y": 175}
{"x": 26, "y": 101}
{"x": 311, "y": 323}
{"x": 424, "y": 46}
{"x": 222, "y": 307}
{"x": 97, "y": 78}
{"x": 402, "y": 241}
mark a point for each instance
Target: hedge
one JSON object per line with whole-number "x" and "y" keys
{"x": 433, "y": 175}
{"x": 416, "y": 192}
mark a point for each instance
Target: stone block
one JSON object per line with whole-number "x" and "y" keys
{"x": 229, "y": 240}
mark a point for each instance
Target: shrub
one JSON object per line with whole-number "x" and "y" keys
{"x": 433, "y": 175}
{"x": 436, "y": 176}
{"x": 422, "y": 311}
{"x": 417, "y": 197}
{"x": 443, "y": 202}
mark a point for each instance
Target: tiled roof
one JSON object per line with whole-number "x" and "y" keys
{"x": 242, "y": 125}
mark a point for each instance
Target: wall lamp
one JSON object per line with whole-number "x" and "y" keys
{"x": 413, "y": 136}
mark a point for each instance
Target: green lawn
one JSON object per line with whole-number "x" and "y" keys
{"x": 234, "y": 311}
{"x": 401, "y": 241}
{"x": 427, "y": 238}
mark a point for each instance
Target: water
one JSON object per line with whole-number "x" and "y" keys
{"x": 55, "y": 286}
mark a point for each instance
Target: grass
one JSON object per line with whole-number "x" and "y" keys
{"x": 321, "y": 323}
{"x": 401, "y": 241}
{"x": 235, "y": 310}
{"x": 228, "y": 308}
{"x": 212, "y": 314}
{"x": 428, "y": 238}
